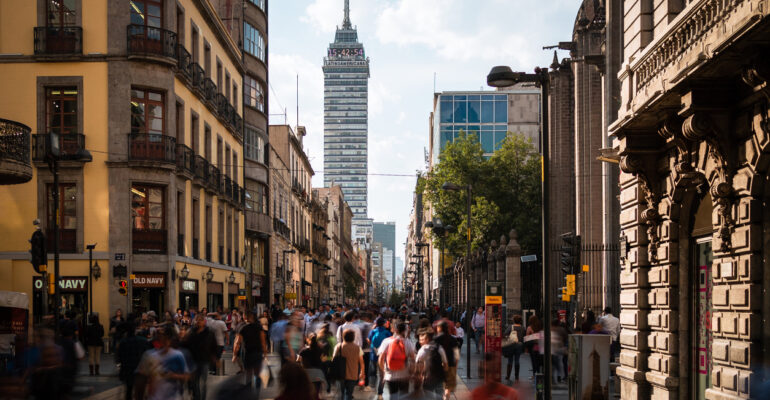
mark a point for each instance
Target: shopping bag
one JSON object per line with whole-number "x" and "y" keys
{"x": 80, "y": 352}
{"x": 265, "y": 374}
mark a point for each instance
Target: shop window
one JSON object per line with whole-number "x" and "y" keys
{"x": 68, "y": 218}
{"x": 148, "y": 209}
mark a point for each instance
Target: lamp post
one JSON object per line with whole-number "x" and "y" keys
{"x": 94, "y": 271}
{"x": 440, "y": 230}
{"x": 468, "y": 192}
{"x": 503, "y": 76}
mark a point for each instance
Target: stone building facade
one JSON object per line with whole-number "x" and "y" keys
{"x": 693, "y": 137}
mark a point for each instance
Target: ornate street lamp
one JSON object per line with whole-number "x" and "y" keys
{"x": 209, "y": 276}
{"x": 185, "y": 272}
{"x": 231, "y": 278}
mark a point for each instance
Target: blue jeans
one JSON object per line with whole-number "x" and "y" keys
{"x": 347, "y": 389}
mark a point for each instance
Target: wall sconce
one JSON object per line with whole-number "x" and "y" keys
{"x": 208, "y": 275}
{"x": 96, "y": 271}
{"x": 231, "y": 278}
{"x": 185, "y": 272}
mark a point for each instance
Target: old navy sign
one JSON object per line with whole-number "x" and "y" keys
{"x": 67, "y": 283}
{"x": 149, "y": 280}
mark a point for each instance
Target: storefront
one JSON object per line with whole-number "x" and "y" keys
{"x": 214, "y": 295}
{"x": 73, "y": 291}
{"x": 188, "y": 294}
{"x": 232, "y": 295}
{"x": 149, "y": 292}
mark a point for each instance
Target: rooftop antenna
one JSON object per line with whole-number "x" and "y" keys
{"x": 346, "y": 20}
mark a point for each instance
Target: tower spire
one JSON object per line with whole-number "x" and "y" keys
{"x": 346, "y": 21}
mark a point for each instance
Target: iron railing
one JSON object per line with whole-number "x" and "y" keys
{"x": 146, "y": 40}
{"x": 198, "y": 76}
{"x": 228, "y": 187}
{"x": 14, "y": 141}
{"x": 209, "y": 91}
{"x": 70, "y": 146}
{"x": 202, "y": 170}
{"x": 58, "y": 40}
{"x": 184, "y": 62}
{"x": 152, "y": 147}
{"x": 215, "y": 179}
{"x": 185, "y": 159}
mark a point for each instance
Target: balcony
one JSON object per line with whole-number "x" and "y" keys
{"x": 71, "y": 146}
{"x": 185, "y": 160}
{"x": 184, "y": 63}
{"x": 202, "y": 170}
{"x": 281, "y": 228}
{"x": 58, "y": 40}
{"x": 152, "y": 147}
{"x": 151, "y": 241}
{"x": 215, "y": 179}
{"x": 150, "y": 42}
{"x": 15, "y": 165}
{"x": 258, "y": 222}
{"x": 198, "y": 77}
{"x": 228, "y": 187}
{"x": 209, "y": 90}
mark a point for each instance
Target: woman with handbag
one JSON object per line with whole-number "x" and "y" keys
{"x": 532, "y": 342}
{"x": 513, "y": 346}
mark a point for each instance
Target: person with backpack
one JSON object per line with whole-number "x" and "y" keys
{"x": 376, "y": 337}
{"x": 513, "y": 346}
{"x": 432, "y": 365}
{"x": 354, "y": 363}
{"x": 448, "y": 342}
{"x": 397, "y": 360}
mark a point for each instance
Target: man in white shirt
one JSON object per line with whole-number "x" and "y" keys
{"x": 397, "y": 380}
{"x": 220, "y": 330}
{"x": 611, "y": 324}
{"x": 430, "y": 384}
{"x": 350, "y": 324}
{"x": 478, "y": 323}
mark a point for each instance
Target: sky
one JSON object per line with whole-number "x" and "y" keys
{"x": 409, "y": 43}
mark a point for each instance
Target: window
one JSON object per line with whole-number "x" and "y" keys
{"x": 147, "y": 114}
{"x": 254, "y": 145}
{"x": 147, "y": 207}
{"x": 61, "y": 13}
{"x": 254, "y": 43}
{"x": 253, "y": 93}
{"x": 256, "y": 200}
{"x": 68, "y": 217}
{"x": 226, "y": 90}
{"x": 61, "y": 110}
{"x": 219, "y": 76}
{"x": 235, "y": 96}
{"x": 194, "y": 132}
{"x": 259, "y": 3}
{"x": 207, "y": 58}
{"x": 147, "y": 12}
{"x": 195, "y": 43}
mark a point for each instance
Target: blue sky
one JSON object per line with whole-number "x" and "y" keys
{"x": 408, "y": 41}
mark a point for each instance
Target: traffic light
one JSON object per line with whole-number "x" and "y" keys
{"x": 123, "y": 287}
{"x": 570, "y": 252}
{"x": 38, "y": 254}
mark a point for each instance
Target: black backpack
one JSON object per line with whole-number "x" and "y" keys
{"x": 434, "y": 370}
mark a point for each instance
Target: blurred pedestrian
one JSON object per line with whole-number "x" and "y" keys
{"x": 354, "y": 363}
{"x": 397, "y": 360}
{"x": 130, "y": 352}
{"x": 94, "y": 341}
{"x": 251, "y": 342}
{"x": 201, "y": 343}
{"x": 295, "y": 384}
{"x": 115, "y": 322}
{"x": 492, "y": 389}
{"x": 215, "y": 323}
{"x": 515, "y": 333}
{"x": 163, "y": 370}
{"x": 432, "y": 364}
{"x": 478, "y": 323}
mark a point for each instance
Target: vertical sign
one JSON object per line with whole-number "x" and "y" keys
{"x": 493, "y": 338}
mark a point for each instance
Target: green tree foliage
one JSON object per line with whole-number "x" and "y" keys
{"x": 506, "y": 192}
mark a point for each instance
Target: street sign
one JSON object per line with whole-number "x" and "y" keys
{"x": 120, "y": 256}
{"x": 291, "y": 296}
{"x": 493, "y": 329}
{"x": 241, "y": 297}
{"x": 586, "y": 268}
{"x": 529, "y": 258}
{"x": 132, "y": 277}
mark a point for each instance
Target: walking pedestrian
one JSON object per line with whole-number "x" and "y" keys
{"x": 432, "y": 365}
{"x": 163, "y": 370}
{"x": 95, "y": 343}
{"x": 478, "y": 323}
{"x": 451, "y": 348}
{"x": 532, "y": 342}
{"x": 376, "y": 337}
{"x": 201, "y": 343}
{"x": 611, "y": 324}
{"x": 295, "y": 384}
{"x": 354, "y": 363}
{"x": 492, "y": 389}
{"x": 350, "y": 316}
{"x": 130, "y": 352}
{"x": 397, "y": 360}
{"x": 252, "y": 343}
{"x": 219, "y": 328}
{"x": 515, "y": 335}
{"x": 115, "y": 321}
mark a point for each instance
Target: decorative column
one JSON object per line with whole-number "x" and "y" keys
{"x": 500, "y": 260}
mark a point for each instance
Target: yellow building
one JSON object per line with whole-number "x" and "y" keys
{"x": 150, "y": 89}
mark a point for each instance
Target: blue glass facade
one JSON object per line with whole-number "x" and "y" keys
{"x": 485, "y": 115}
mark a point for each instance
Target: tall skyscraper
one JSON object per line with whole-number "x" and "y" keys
{"x": 346, "y": 80}
{"x": 385, "y": 233}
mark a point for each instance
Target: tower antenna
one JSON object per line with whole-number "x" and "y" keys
{"x": 346, "y": 20}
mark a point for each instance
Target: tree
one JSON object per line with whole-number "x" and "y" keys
{"x": 506, "y": 192}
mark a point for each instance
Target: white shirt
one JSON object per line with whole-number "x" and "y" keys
{"x": 611, "y": 324}
{"x": 422, "y": 354}
{"x": 350, "y": 325}
{"x": 460, "y": 332}
{"x": 402, "y": 374}
{"x": 219, "y": 328}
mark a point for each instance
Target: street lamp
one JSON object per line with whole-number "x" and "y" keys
{"x": 231, "y": 278}
{"x": 209, "y": 275}
{"x": 468, "y": 192}
{"x": 93, "y": 272}
{"x": 503, "y": 76}
{"x": 185, "y": 272}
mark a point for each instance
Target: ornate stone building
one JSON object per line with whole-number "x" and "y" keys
{"x": 693, "y": 136}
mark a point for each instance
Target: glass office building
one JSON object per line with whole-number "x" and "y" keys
{"x": 346, "y": 79}
{"x": 488, "y": 115}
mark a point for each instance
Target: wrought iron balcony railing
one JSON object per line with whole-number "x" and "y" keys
{"x": 202, "y": 169}
{"x": 71, "y": 145}
{"x": 215, "y": 179}
{"x": 228, "y": 187}
{"x": 185, "y": 159}
{"x": 198, "y": 76}
{"x": 15, "y": 165}
{"x": 52, "y": 40}
{"x": 152, "y": 147}
{"x": 209, "y": 90}
{"x": 184, "y": 62}
{"x": 150, "y": 41}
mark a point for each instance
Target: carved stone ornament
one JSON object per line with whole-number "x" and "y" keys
{"x": 699, "y": 126}
{"x": 632, "y": 164}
